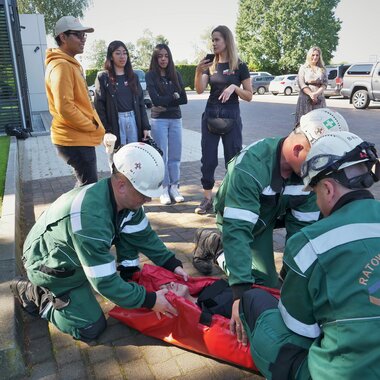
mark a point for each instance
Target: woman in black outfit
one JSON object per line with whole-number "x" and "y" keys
{"x": 119, "y": 98}
{"x": 166, "y": 89}
{"x": 225, "y": 74}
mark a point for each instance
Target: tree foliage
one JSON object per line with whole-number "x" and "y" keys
{"x": 95, "y": 54}
{"x": 144, "y": 48}
{"x": 275, "y": 35}
{"x": 205, "y": 45}
{"x": 53, "y": 10}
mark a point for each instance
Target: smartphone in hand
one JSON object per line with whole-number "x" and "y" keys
{"x": 210, "y": 57}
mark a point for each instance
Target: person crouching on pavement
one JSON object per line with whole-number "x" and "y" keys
{"x": 328, "y": 317}
{"x": 66, "y": 254}
{"x": 262, "y": 191}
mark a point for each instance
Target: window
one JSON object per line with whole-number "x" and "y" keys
{"x": 362, "y": 69}
{"x": 332, "y": 73}
{"x": 292, "y": 77}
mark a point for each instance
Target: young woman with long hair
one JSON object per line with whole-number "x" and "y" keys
{"x": 167, "y": 92}
{"x": 119, "y": 98}
{"x": 312, "y": 80}
{"x": 229, "y": 80}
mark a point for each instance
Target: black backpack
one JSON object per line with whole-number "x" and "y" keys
{"x": 16, "y": 130}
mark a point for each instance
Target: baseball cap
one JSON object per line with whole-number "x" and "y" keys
{"x": 320, "y": 121}
{"x": 66, "y": 23}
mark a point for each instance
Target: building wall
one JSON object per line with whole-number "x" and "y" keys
{"x": 34, "y": 46}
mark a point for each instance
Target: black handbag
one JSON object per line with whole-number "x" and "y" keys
{"x": 220, "y": 125}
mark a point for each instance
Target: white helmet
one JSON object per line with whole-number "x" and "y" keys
{"x": 143, "y": 166}
{"x": 333, "y": 152}
{"x": 320, "y": 121}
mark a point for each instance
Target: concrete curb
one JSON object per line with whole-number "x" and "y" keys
{"x": 11, "y": 326}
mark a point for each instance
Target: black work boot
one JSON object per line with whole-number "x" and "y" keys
{"x": 31, "y": 297}
{"x": 208, "y": 245}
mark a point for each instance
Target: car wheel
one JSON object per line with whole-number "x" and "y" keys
{"x": 148, "y": 104}
{"x": 261, "y": 90}
{"x": 274, "y": 93}
{"x": 91, "y": 93}
{"x": 288, "y": 91}
{"x": 360, "y": 99}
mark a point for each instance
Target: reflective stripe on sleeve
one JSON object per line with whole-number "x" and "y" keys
{"x": 306, "y": 216}
{"x": 310, "y": 331}
{"x": 239, "y": 214}
{"x": 102, "y": 270}
{"x": 132, "y": 228}
{"x": 130, "y": 263}
{"x": 295, "y": 190}
{"x": 268, "y": 191}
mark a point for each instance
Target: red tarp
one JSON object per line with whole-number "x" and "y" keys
{"x": 185, "y": 330}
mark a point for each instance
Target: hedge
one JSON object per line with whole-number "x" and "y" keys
{"x": 187, "y": 72}
{"x": 90, "y": 76}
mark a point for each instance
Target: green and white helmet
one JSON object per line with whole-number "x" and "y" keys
{"x": 320, "y": 121}
{"x": 143, "y": 166}
{"x": 335, "y": 151}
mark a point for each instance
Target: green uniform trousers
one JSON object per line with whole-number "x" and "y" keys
{"x": 273, "y": 346}
{"x": 263, "y": 265}
{"x": 75, "y": 312}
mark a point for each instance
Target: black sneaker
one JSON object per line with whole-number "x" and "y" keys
{"x": 205, "y": 207}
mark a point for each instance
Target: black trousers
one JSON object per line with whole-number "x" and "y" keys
{"x": 232, "y": 141}
{"x": 83, "y": 160}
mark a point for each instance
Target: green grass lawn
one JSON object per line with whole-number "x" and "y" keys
{"x": 4, "y": 150}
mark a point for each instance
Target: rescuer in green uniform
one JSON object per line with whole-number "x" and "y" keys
{"x": 67, "y": 253}
{"x": 328, "y": 317}
{"x": 261, "y": 191}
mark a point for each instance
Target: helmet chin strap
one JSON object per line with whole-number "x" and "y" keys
{"x": 376, "y": 169}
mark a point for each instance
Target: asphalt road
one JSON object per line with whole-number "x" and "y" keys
{"x": 269, "y": 115}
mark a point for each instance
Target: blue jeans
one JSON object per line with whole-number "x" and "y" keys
{"x": 168, "y": 136}
{"x": 232, "y": 141}
{"x": 127, "y": 127}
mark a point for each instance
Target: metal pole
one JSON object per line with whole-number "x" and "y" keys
{"x": 13, "y": 51}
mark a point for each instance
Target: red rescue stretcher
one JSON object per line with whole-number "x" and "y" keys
{"x": 185, "y": 330}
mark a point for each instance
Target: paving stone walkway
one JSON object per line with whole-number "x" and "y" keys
{"x": 122, "y": 352}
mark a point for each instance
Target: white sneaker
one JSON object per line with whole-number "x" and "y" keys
{"x": 165, "y": 197}
{"x": 175, "y": 194}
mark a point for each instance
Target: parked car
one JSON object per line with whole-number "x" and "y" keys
{"x": 335, "y": 75}
{"x": 260, "y": 83}
{"x": 255, "y": 73}
{"x": 361, "y": 84}
{"x": 91, "y": 90}
{"x": 141, "y": 75}
{"x": 284, "y": 84}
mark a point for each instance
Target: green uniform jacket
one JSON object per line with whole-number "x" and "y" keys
{"x": 70, "y": 244}
{"x": 250, "y": 200}
{"x": 332, "y": 290}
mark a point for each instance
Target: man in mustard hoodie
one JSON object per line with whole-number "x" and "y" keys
{"x": 76, "y": 128}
